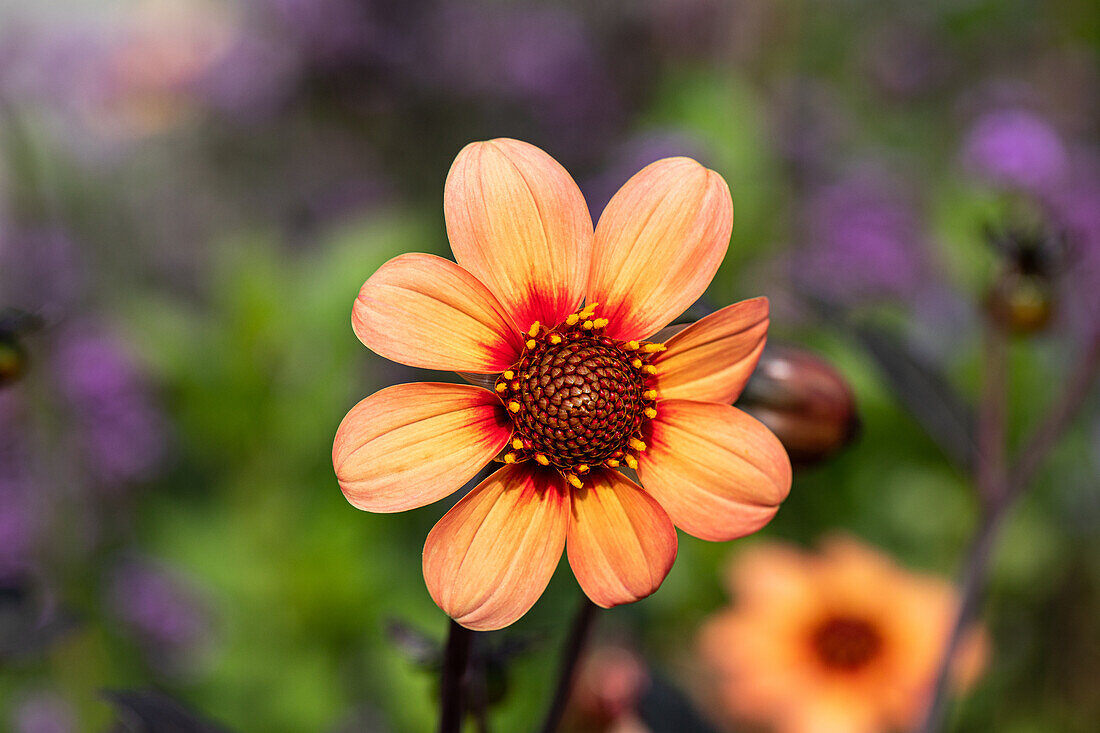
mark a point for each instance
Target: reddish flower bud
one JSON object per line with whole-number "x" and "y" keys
{"x": 609, "y": 685}
{"x": 803, "y": 400}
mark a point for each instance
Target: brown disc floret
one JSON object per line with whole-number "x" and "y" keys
{"x": 579, "y": 399}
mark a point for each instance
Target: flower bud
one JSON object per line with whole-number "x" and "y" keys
{"x": 609, "y": 685}
{"x": 1022, "y": 298}
{"x": 13, "y": 360}
{"x": 1021, "y": 302}
{"x": 803, "y": 400}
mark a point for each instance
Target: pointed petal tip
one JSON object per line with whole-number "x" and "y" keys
{"x": 712, "y": 359}
{"x": 658, "y": 244}
{"x": 621, "y": 543}
{"x": 517, "y": 220}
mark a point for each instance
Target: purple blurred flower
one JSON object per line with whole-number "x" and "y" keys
{"x": 633, "y": 155}
{"x": 1016, "y": 148}
{"x": 1076, "y": 208}
{"x": 864, "y": 241}
{"x": 161, "y": 607}
{"x": 542, "y": 59}
{"x": 123, "y": 436}
{"x": 251, "y": 79}
{"x": 43, "y": 712}
{"x": 53, "y": 65}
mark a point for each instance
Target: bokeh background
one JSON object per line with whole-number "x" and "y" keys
{"x": 192, "y": 191}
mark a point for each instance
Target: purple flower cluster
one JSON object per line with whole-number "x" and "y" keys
{"x": 863, "y": 240}
{"x": 1076, "y": 210}
{"x": 123, "y": 436}
{"x": 541, "y": 60}
{"x": 163, "y": 609}
{"x": 1016, "y": 148}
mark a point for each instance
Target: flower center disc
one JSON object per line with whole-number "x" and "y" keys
{"x": 580, "y": 401}
{"x": 846, "y": 643}
{"x": 577, "y": 398}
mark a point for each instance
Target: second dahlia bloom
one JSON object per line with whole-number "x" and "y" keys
{"x": 574, "y": 392}
{"x": 841, "y": 641}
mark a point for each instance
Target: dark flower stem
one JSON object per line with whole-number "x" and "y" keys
{"x": 570, "y": 655}
{"x": 1000, "y": 488}
{"x": 456, "y": 663}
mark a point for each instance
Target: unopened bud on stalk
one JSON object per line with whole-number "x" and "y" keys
{"x": 803, "y": 400}
{"x": 1022, "y": 298}
{"x": 1022, "y": 303}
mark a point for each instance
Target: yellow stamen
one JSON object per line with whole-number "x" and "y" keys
{"x": 583, "y": 468}
{"x": 654, "y": 348}
{"x": 630, "y": 345}
{"x": 587, "y": 325}
{"x": 501, "y": 386}
{"x": 530, "y": 343}
{"x": 576, "y": 482}
{"x": 509, "y": 457}
{"x": 508, "y": 374}
{"x": 649, "y": 394}
{"x": 533, "y": 330}
{"x": 589, "y": 309}
{"x": 513, "y": 406}
{"x": 636, "y": 363}
{"x": 638, "y": 445}
{"x": 631, "y": 461}
{"x": 600, "y": 322}
{"x": 517, "y": 443}
{"x": 649, "y": 369}
{"x": 572, "y": 319}
{"x": 612, "y": 462}
{"x": 543, "y": 460}
{"x": 650, "y": 412}
{"x": 555, "y": 338}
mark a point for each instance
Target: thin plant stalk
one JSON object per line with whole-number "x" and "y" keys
{"x": 579, "y": 632}
{"x": 1000, "y": 488}
{"x": 452, "y": 689}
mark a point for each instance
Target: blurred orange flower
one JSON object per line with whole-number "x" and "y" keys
{"x": 843, "y": 641}
{"x": 573, "y": 395}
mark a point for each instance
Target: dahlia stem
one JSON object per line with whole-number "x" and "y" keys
{"x": 456, "y": 663}
{"x": 570, "y": 655}
{"x": 1001, "y": 488}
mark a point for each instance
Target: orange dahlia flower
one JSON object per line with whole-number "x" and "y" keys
{"x": 843, "y": 641}
{"x": 573, "y": 394}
